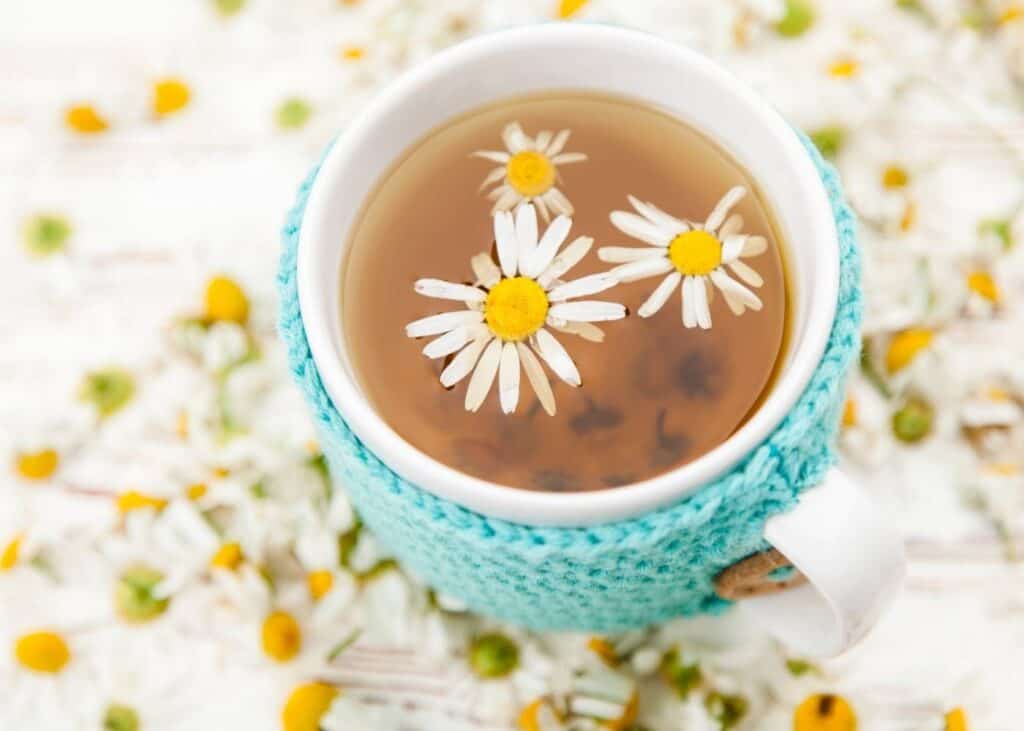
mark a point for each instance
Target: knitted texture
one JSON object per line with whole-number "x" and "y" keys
{"x": 607, "y": 577}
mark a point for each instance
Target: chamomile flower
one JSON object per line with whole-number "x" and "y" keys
{"x": 692, "y": 256}
{"x": 510, "y": 308}
{"x": 528, "y": 171}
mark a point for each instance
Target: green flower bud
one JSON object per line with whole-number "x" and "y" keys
{"x": 46, "y": 234}
{"x": 798, "y": 19}
{"x": 120, "y": 718}
{"x": 913, "y": 422}
{"x": 829, "y": 140}
{"x": 134, "y": 597}
{"x": 293, "y": 113}
{"x": 728, "y": 710}
{"x": 680, "y": 676}
{"x": 108, "y": 390}
{"x": 493, "y": 656}
{"x": 229, "y": 7}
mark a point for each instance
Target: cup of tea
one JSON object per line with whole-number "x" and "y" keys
{"x": 602, "y": 389}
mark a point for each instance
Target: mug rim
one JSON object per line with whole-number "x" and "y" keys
{"x": 516, "y": 504}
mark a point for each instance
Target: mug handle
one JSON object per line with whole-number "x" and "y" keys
{"x": 853, "y": 558}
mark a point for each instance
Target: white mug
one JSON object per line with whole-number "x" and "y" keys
{"x": 836, "y": 537}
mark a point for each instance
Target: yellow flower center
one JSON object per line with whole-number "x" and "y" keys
{"x": 695, "y": 253}
{"x": 905, "y": 346}
{"x": 306, "y": 706}
{"x": 37, "y": 465}
{"x": 628, "y": 715}
{"x": 844, "y": 68}
{"x": 229, "y": 556}
{"x": 169, "y": 96}
{"x": 319, "y": 582}
{"x": 353, "y": 53}
{"x": 530, "y": 173}
{"x": 281, "y": 636}
{"x": 135, "y": 500}
{"x": 196, "y": 490}
{"x": 515, "y": 308}
{"x": 181, "y": 424}
{"x": 569, "y": 8}
{"x": 823, "y": 712}
{"x": 895, "y": 177}
{"x": 529, "y": 717}
{"x": 1003, "y": 469}
{"x": 850, "y": 412}
{"x": 909, "y": 217}
{"x": 43, "y": 652}
{"x": 225, "y": 300}
{"x": 9, "y": 556}
{"x": 982, "y": 284}
{"x": 604, "y": 650}
{"x": 1010, "y": 14}
{"x": 956, "y": 720}
{"x": 85, "y": 120}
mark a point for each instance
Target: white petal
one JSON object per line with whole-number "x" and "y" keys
{"x": 569, "y": 257}
{"x": 591, "y": 284}
{"x": 624, "y": 254}
{"x": 505, "y": 198}
{"x": 700, "y": 302}
{"x": 543, "y": 208}
{"x": 558, "y": 143}
{"x": 558, "y": 202}
{"x": 485, "y": 270}
{"x": 640, "y": 228}
{"x": 463, "y": 363}
{"x": 514, "y": 138}
{"x": 735, "y": 246}
{"x": 537, "y": 378}
{"x": 734, "y": 304}
{"x": 483, "y": 375}
{"x": 442, "y": 323}
{"x": 641, "y": 268}
{"x": 731, "y": 287}
{"x": 493, "y": 156}
{"x": 733, "y": 225}
{"x": 508, "y": 378}
{"x": 545, "y": 251}
{"x": 506, "y": 242}
{"x": 493, "y": 177}
{"x": 567, "y": 158}
{"x": 746, "y": 273}
{"x": 732, "y": 247}
{"x": 721, "y": 210}
{"x": 755, "y": 246}
{"x": 555, "y": 356}
{"x": 585, "y": 330}
{"x": 588, "y": 311}
{"x": 440, "y": 289}
{"x": 526, "y": 232}
{"x": 660, "y": 295}
{"x": 542, "y": 140}
{"x": 689, "y": 312}
{"x": 658, "y": 217}
{"x": 454, "y": 340}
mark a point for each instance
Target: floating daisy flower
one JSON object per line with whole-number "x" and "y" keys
{"x": 529, "y": 171}
{"x": 503, "y": 328}
{"x": 693, "y": 256}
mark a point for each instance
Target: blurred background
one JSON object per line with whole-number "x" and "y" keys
{"x": 172, "y": 555}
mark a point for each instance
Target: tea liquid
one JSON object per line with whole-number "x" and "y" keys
{"x": 655, "y": 395}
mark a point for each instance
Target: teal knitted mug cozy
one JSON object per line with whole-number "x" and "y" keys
{"x": 601, "y": 578}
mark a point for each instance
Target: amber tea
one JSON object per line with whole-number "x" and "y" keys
{"x": 565, "y": 292}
